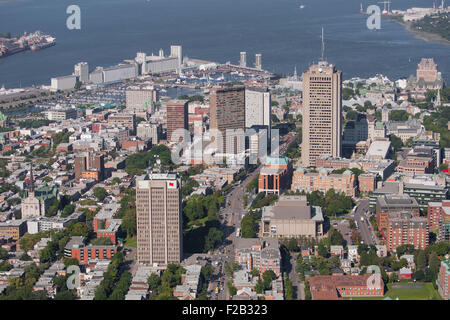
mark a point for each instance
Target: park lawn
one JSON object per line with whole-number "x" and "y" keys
{"x": 131, "y": 242}
{"x": 427, "y": 293}
{"x": 196, "y": 223}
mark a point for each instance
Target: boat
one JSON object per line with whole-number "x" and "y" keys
{"x": 301, "y": 6}
{"x": 46, "y": 42}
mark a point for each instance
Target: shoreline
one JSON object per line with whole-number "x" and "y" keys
{"x": 425, "y": 36}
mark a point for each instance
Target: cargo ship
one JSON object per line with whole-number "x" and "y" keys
{"x": 32, "y": 41}
{"x": 46, "y": 42}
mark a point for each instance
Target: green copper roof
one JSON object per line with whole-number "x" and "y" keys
{"x": 271, "y": 160}
{"x": 46, "y": 192}
{"x": 3, "y": 117}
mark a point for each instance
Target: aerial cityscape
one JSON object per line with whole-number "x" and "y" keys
{"x": 176, "y": 175}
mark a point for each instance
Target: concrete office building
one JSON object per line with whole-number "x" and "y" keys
{"x": 149, "y": 131}
{"x": 141, "y": 100}
{"x": 159, "y": 219}
{"x": 322, "y": 112}
{"x": 63, "y": 83}
{"x": 292, "y": 217}
{"x": 123, "y": 119}
{"x": 257, "y": 107}
{"x": 61, "y": 114}
{"x": 227, "y": 112}
{"x": 81, "y": 71}
{"x": 177, "y": 118}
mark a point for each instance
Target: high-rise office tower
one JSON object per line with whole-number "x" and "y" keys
{"x": 257, "y": 107}
{"x": 227, "y": 112}
{"x": 322, "y": 112}
{"x": 159, "y": 219}
{"x": 177, "y": 117}
{"x": 81, "y": 70}
{"x": 243, "y": 60}
{"x": 258, "y": 61}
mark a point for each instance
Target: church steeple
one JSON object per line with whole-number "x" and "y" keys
{"x": 31, "y": 187}
{"x": 437, "y": 101}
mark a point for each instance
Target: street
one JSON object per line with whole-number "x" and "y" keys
{"x": 364, "y": 227}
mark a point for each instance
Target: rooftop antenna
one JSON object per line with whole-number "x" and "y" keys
{"x": 323, "y": 48}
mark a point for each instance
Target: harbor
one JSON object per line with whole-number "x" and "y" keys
{"x": 32, "y": 41}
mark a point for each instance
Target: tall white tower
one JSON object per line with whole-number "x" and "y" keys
{"x": 243, "y": 61}
{"x": 258, "y": 61}
{"x": 81, "y": 70}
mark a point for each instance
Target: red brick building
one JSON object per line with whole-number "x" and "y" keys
{"x": 404, "y": 228}
{"x": 435, "y": 211}
{"x": 260, "y": 254}
{"x": 76, "y": 248}
{"x": 394, "y": 203}
{"x": 443, "y": 280}
{"x": 275, "y": 176}
{"x": 367, "y": 182}
{"x": 89, "y": 166}
{"x": 337, "y": 287}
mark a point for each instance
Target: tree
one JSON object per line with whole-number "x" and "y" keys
{"x": 100, "y": 193}
{"x": 396, "y": 143}
{"x": 322, "y": 250}
{"x": 292, "y": 245}
{"x": 267, "y": 277}
{"x": 434, "y": 264}
{"x": 288, "y": 289}
{"x": 154, "y": 282}
{"x": 53, "y": 209}
{"x": 213, "y": 238}
{"x": 231, "y": 289}
{"x": 70, "y": 262}
{"x": 335, "y": 237}
{"x": 100, "y": 293}
{"x": 3, "y": 254}
{"x": 254, "y": 272}
{"x": 398, "y": 115}
{"x": 421, "y": 259}
{"x": 248, "y": 226}
{"x": 259, "y": 288}
{"x": 68, "y": 210}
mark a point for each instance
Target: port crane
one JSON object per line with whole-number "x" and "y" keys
{"x": 388, "y": 5}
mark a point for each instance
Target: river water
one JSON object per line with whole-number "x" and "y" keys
{"x": 216, "y": 30}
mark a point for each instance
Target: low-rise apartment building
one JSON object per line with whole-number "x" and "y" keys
{"x": 324, "y": 180}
